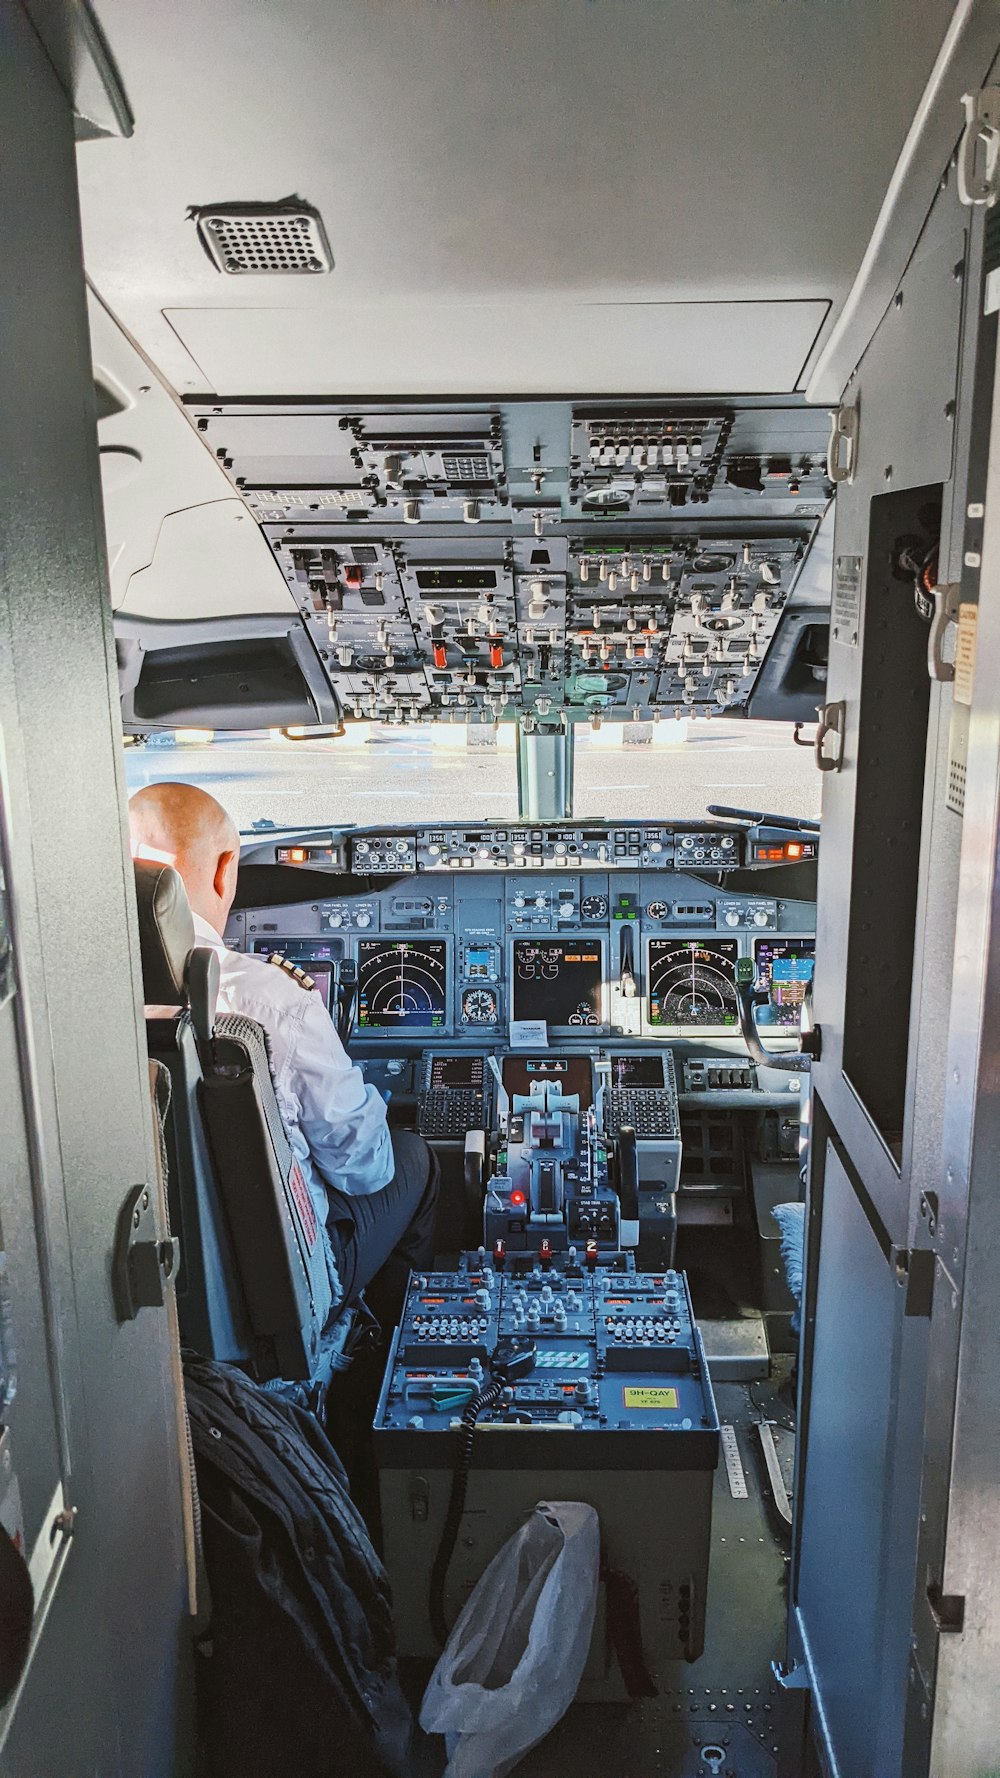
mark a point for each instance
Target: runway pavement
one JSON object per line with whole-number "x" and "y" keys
{"x": 411, "y": 776}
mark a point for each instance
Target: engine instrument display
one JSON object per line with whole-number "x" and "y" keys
{"x": 558, "y": 980}
{"x": 572, "y": 1073}
{"x": 402, "y": 985}
{"x": 692, "y": 983}
{"x": 784, "y": 970}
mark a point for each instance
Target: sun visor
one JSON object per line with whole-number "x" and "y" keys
{"x": 209, "y": 561}
{"x": 523, "y": 346}
{"x": 234, "y": 673}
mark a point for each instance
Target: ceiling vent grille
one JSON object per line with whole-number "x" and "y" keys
{"x": 264, "y": 239}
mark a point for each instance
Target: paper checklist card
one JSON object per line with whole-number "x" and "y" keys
{"x": 529, "y": 1034}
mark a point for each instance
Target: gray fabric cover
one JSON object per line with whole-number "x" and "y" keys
{"x": 166, "y": 932}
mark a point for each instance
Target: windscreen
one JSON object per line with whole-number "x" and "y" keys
{"x": 376, "y": 775}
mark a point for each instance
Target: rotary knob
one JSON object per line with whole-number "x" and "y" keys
{"x": 760, "y": 917}
{"x": 335, "y": 919}
{"x": 364, "y": 919}
{"x": 732, "y": 917}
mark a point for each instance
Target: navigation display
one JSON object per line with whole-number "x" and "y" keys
{"x": 558, "y": 980}
{"x": 402, "y": 984}
{"x": 692, "y": 983}
{"x": 636, "y": 1071}
{"x": 784, "y": 970}
{"x": 572, "y": 1073}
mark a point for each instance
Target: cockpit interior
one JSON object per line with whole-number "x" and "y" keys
{"x": 536, "y": 468}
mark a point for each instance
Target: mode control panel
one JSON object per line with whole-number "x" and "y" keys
{"x": 538, "y": 847}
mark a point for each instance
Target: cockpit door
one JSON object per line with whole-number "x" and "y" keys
{"x": 90, "y": 1465}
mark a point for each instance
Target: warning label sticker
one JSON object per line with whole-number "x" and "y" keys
{"x": 300, "y": 1192}
{"x": 649, "y": 1398}
{"x": 845, "y": 611}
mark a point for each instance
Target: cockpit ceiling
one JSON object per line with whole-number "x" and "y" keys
{"x": 553, "y": 196}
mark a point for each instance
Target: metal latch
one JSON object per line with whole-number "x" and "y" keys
{"x": 842, "y": 455}
{"x": 947, "y": 599}
{"x": 143, "y": 1261}
{"x": 979, "y": 150}
{"x": 832, "y": 728}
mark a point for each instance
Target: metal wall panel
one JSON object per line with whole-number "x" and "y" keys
{"x": 843, "y": 1504}
{"x": 107, "y": 1690}
{"x": 861, "y": 1459}
{"x": 955, "y": 1719}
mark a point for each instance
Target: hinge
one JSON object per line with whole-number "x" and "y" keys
{"x": 979, "y": 149}
{"x": 947, "y": 1609}
{"x": 842, "y": 455}
{"x": 915, "y": 1268}
{"x": 143, "y": 1262}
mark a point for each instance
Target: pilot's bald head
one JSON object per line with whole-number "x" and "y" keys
{"x": 184, "y": 825}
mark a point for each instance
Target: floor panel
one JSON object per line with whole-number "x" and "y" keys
{"x": 717, "y": 1717}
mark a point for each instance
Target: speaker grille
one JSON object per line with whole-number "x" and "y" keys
{"x": 264, "y": 241}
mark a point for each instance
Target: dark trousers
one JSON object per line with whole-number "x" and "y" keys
{"x": 383, "y": 1236}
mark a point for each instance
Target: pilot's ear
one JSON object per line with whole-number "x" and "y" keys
{"x": 224, "y": 881}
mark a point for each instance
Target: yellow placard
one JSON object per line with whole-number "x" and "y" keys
{"x": 965, "y": 651}
{"x": 650, "y": 1398}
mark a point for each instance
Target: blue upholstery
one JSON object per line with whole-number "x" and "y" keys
{"x": 791, "y": 1221}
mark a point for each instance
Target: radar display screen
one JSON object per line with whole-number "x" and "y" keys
{"x": 402, "y": 984}
{"x": 636, "y": 1071}
{"x": 572, "y": 1073}
{"x": 692, "y": 983}
{"x": 784, "y": 970}
{"x": 558, "y": 980}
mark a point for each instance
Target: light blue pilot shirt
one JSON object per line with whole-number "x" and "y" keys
{"x": 336, "y": 1124}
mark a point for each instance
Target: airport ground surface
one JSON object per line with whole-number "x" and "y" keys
{"x": 407, "y": 776}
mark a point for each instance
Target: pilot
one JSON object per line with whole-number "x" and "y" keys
{"x": 375, "y": 1189}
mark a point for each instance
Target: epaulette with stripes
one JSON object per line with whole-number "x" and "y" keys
{"x": 292, "y": 969}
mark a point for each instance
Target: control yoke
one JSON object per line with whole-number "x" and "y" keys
{"x": 749, "y": 996}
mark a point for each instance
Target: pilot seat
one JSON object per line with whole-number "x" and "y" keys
{"x": 253, "y": 1287}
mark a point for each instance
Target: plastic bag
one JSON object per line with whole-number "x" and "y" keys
{"x": 515, "y": 1657}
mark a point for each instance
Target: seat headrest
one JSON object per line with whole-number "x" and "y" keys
{"x": 166, "y": 932}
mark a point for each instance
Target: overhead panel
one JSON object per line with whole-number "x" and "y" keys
{"x": 480, "y": 561}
